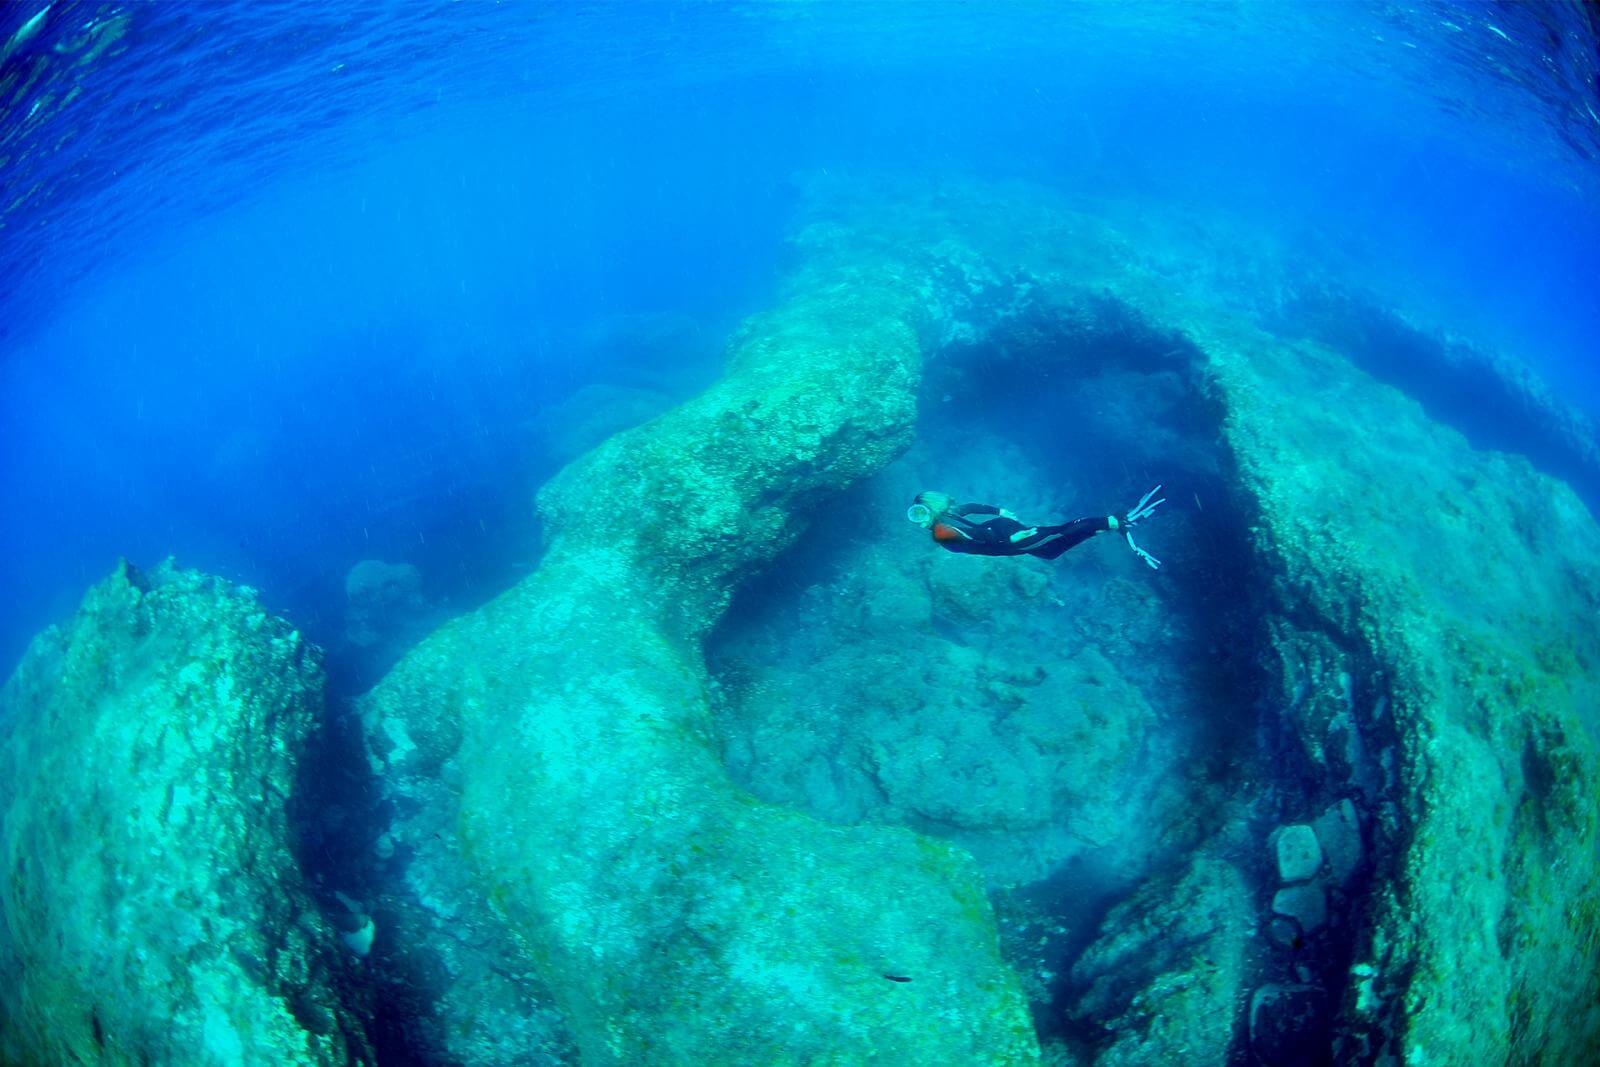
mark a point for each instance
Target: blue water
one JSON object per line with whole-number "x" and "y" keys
{"x": 286, "y": 286}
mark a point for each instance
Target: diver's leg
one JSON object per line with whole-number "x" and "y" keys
{"x": 1051, "y": 541}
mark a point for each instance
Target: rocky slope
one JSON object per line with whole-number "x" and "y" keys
{"x": 672, "y": 917}
{"x": 154, "y": 911}
{"x": 748, "y": 771}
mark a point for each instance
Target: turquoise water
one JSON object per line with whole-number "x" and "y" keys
{"x": 319, "y": 300}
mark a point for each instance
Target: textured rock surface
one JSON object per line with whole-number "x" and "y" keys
{"x": 1162, "y": 979}
{"x": 381, "y": 599}
{"x": 1383, "y": 547}
{"x": 674, "y": 917}
{"x": 555, "y": 865}
{"x": 153, "y": 911}
{"x": 949, "y": 703}
{"x": 1483, "y": 938}
{"x": 1339, "y": 835}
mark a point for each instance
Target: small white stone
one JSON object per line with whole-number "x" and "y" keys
{"x": 1299, "y": 854}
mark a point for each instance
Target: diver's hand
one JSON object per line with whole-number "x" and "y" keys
{"x": 1024, "y": 534}
{"x": 1004, "y": 514}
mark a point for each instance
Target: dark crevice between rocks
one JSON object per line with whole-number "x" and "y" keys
{"x": 1494, "y": 402}
{"x": 1102, "y": 406}
{"x": 1296, "y": 1011}
{"x": 1128, "y": 401}
{"x": 335, "y": 817}
{"x": 1306, "y": 744}
{"x": 1326, "y": 746}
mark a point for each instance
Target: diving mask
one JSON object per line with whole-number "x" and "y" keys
{"x": 920, "y": 514}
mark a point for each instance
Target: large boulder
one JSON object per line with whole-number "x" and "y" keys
{"x": 1161, "y": 980}
{"x": 1463, "y": 583}
{"x": 673, "y": 918}
{"x": 153, "y": 908}
{"x": 1426, "y": 607}
{"x": 382, "y": 601}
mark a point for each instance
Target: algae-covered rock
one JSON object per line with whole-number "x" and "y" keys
{"x": 468, "y": 993}
{"x": 381, "y": 600}
{"x": 1426, "y": 609}
{"x": 937, "y": 692}
{"x": 153, "y": 910}
{"x": 1162, "y": 979}
{"x": 1467, "y": 583}
{"x": 674, "y": 918}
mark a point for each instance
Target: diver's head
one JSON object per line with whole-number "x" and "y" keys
{"x": 926, "y": 508}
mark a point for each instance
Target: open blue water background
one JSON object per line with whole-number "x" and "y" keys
{"x": 285, "y": 285}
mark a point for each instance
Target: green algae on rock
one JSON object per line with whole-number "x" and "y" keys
{"x": 1388, "y": 532}
{"x": 1167, "y": 959}
{"x": 862, "y": 700}
{"x": 1380, "y": 549}
{"x": 554, "y": 763}
{"x": 675, "y": 918}
{"x": 153, "y": 912}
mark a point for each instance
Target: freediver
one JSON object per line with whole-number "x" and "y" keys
{"x": 1006, "y": 535}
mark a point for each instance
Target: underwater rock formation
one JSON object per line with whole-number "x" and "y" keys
{"x": 1392, "y": 538}
{"x": 738, "y": 774}
{"x": 944, "y": 693}
{"x": 153, "y": 908}
{"x": 1435, "y": 736}
{"x": 381, "y": 599}
{"x": 1161, "y": 979}
{"x": 674, "y": 918}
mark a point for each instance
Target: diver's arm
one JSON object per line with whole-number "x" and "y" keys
{"x": 982, "y": 509}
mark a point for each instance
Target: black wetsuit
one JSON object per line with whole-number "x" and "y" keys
{"x": 955, "y": 531}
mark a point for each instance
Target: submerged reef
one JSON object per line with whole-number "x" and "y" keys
{"x": 674, "y": 918}
{"x": 1413, "y": 620}
{"x": 381, "y": 599}
{"x": 154, "y": 910}
{"x": 747, "y": 771}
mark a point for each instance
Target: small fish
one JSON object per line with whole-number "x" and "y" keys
{"x": 898, "y": 977}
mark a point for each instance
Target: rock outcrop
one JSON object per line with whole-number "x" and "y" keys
{"x": 674, "y": 918}
{"x": 153, "y": 910}
{"x": 1419, "y": 628}
{"x": 382, "y": 601}
{"x": 1462, "y": 587}
{"x": 1325, "y": 786}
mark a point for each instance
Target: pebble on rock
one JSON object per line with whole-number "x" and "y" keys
{"x": 1339, "y": 831}
{"x": 1299, "y": 854}
{"x": 1305, "y": 904}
